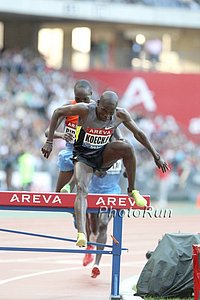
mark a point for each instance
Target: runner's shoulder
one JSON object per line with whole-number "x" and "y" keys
{"x": 122, "y": 113}
{"x": 83, "y": 108}
{"x": 83, "y": 105}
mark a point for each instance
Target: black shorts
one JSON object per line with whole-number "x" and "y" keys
{"x": 90, "y": 157}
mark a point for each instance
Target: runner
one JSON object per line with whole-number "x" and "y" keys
{"x": 94, "y": 151}
{"x": 83, "y": 93}
{"x": 108, "y": 184}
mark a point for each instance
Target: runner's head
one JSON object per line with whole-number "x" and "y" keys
{"x": 106, "y": 105}
{"x": 83, "y": 91}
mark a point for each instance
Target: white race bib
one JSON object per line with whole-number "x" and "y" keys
{"x": 116, "y": 168}
{"x": 97, "y": 138}
{"x": 71, "y": 128}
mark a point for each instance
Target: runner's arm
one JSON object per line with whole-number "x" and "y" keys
{"x": 143, "y": 139}
{"x": 80, "y": 109}
{"x": 117, "y": 134}
{"x": 57, "y": 134}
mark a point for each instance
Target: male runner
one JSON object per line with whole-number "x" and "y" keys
{"x": 108, "y": 184}
{"x": 83, "y": 93}
{"x": 94, "y": 151}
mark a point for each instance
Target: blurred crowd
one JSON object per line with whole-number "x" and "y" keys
{"x": 189, "y": 4}
{"x": 182, "y": 155}
{"x": 30, "y": 91}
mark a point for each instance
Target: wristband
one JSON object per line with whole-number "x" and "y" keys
{"x": 49, "y": 142}
{"x": 157, "y": 158}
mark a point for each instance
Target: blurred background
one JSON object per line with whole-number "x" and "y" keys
{"x": 148, "y": 51}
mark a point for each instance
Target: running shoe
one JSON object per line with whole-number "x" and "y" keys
{"x": 139, "y": 200}
{"x": 81, "y": 240}
{"x": 89, "y": 257}
{"x": 66, "y": 189}
{"x": 95, "y": 271}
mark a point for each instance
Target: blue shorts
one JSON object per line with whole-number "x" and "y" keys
{"x": 109, "y": 184}
{"x": 64, "y": 159}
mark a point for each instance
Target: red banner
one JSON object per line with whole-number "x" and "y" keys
{"x": 153, "y": 94}
{"x": 61, "y": 200}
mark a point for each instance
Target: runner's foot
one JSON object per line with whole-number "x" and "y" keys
{"x": 89, "y": 257}
{"x": 95, "y": 271}
{"x": 81, "y": 240}
{"x": 65, "y": 189}
{"x": 139, "y": 200}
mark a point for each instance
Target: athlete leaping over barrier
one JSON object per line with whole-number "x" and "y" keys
{"x": 94, "y": 151}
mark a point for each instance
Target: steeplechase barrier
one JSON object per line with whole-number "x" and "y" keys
{"x": 59, "y": 202}
{"x": 196, "y": 270}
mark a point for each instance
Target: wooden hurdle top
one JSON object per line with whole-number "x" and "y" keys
{"x": 62, "y": 200}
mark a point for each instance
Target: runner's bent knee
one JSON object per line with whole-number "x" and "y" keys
{"x": 103, "y": 220}
{"x": 117, "y": 150}
{"x": 103, "y": 227}
{"x": 128, "y": 151}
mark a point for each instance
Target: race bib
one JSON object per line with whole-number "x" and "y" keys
{"x": 116, "y": 168}
{"x": 71, "y": 128}
{"x": 97, "y": 138}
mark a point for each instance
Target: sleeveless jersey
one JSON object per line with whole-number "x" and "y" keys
{"x": 92, "y": 133}
{"x": 71, "y": 123}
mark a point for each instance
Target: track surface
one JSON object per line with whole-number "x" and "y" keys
{"x": 53, "y": 276}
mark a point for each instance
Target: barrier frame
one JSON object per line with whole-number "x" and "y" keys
{"x": 196, "y": 270}
{"x": 56, "y": 202}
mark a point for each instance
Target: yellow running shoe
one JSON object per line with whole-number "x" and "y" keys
{"x": 81, "y": 240}
{"x": 66, "y": 189}
{"x": 139, "y": 200}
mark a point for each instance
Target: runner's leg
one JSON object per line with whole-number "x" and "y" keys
{"x": 124, "y": 150}
{"x": 102, "y": 234}
{"x": 88, "y": 257}
{"x": 82, "y": 176}
{"x": 103, "y": 220}
{"x": 63, "y": 178}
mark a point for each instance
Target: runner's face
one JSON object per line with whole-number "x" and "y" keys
{"x": 105, "y": 111}
{"x": 82, "y": 95}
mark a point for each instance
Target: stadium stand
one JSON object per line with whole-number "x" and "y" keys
{"x": 29, "y": 91}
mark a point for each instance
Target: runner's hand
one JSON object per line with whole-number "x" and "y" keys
{"x": 68, "y": 137}
{"x": 161, "y": 164}
{"x": 47, "y": 148}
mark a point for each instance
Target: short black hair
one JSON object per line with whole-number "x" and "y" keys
{"x": 109, "y": 97}
{"x": 82, "y": 83}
